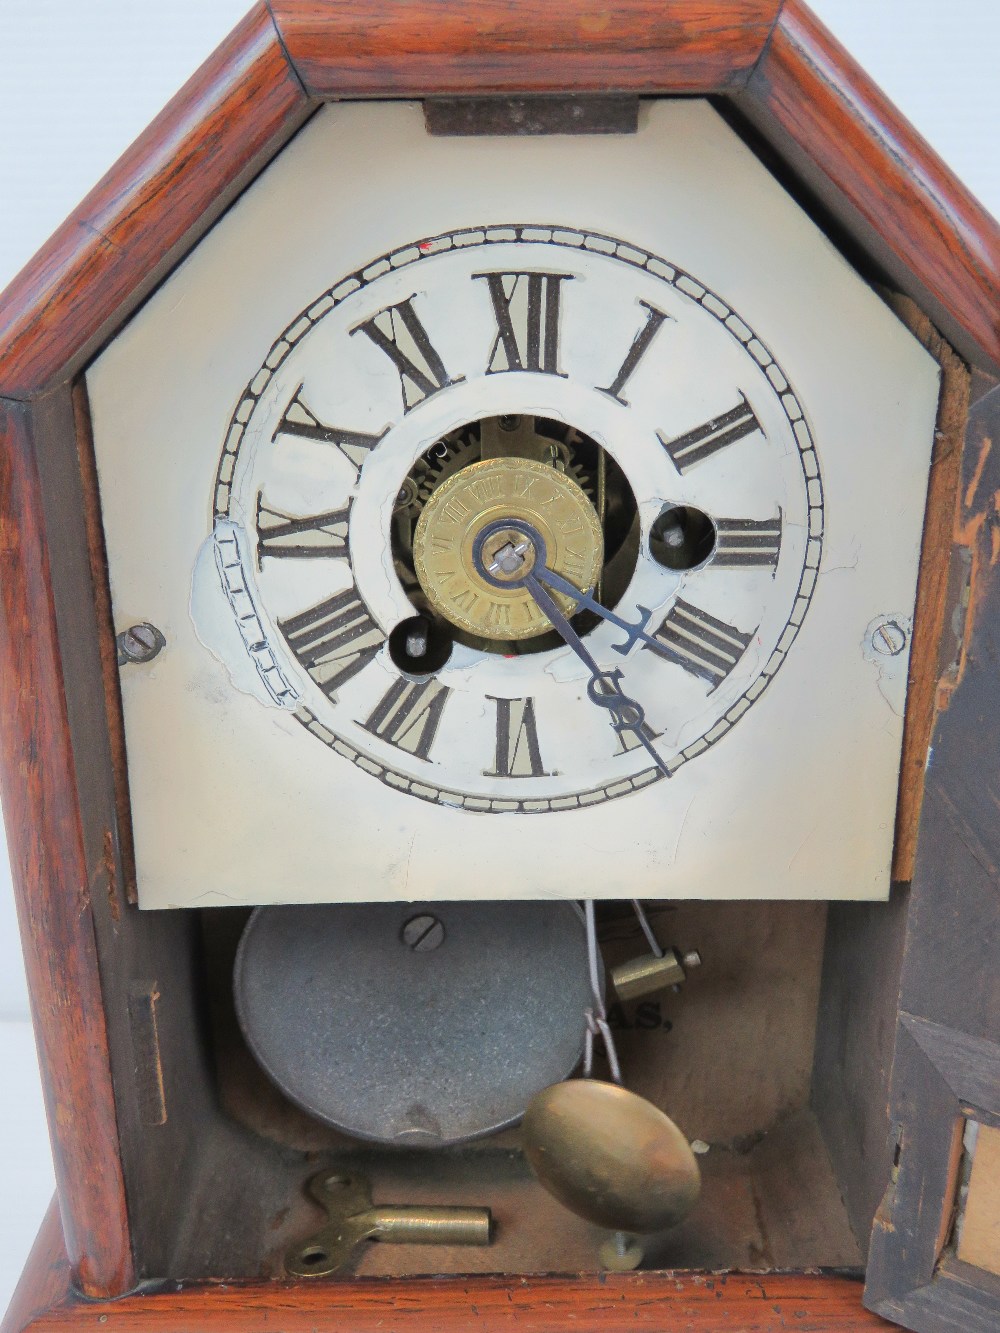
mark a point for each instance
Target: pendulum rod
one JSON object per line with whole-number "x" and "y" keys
{"x": 647, "y": 929}
{"x": 597, "y": 1015}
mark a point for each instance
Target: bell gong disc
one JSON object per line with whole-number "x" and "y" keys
{"x": 414, "y": 1023}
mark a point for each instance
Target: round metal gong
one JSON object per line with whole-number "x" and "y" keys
{"x": 405, "y": 1023}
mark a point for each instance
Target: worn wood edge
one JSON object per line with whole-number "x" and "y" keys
{"x": 50, "y": 873}
{"x": 822, "y": 113}
{"x": 413, "y": 48}
{"x": 969, "y": 1065}
{"x": 753, "y": 1303}
{"x": 44, "y": 1284}
{"x": 107, "y": 646}
{"x": 934, "y": 590}
{"x": 210, "y": 141}
{"x": 906, "y": 1235}
{"x": 948, "y": 1302}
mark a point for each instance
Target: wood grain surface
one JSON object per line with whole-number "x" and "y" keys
{"x": 882, "y": 181}
{"x": 932, "y": 650}
{"x": 345, "y": 48}
{"x": 209, "y": 142}
{"x": 875, "y": 178}
{"x": 947, "y": 1058}
{"x": 627, "y": 1303}
{"x": 50, "y": 871}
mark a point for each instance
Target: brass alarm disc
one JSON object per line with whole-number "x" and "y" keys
{"x": 483, "y": 495}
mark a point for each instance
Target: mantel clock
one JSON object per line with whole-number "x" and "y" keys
{"x": 498, "y": 607}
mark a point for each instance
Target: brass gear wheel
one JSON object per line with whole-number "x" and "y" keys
{"x": 483, "y": 495}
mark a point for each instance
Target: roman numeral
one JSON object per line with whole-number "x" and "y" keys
{"x": 408, "y": 715}
{"x": 517, "y": 754}
{"x": 692, "y": 448}
{"x": 640, "y": 346}
{"x": 741, "y": 542}
{"x": 334, "y": 640}
{"x": 700, "y": 643}
{"x": 281, "y": 534}
{"x": 398, "y": 332}
{"x": 526, "y": 308}
{"x": 627, "y": 740}
{"x": 355, "y": 445}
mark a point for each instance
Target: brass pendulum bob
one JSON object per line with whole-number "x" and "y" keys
{"x": 610, "y": 1156}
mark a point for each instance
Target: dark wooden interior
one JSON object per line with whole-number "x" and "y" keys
{"x": 174, "y": 1160}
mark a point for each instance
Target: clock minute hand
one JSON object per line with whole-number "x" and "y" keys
{"x": 635, "y": 633}
{"x": 604, "y": 687}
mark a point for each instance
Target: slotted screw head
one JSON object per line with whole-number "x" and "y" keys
{"x": 889, "y": 638}
{"x": 423, "y": 933}
{"x": 139, "y": 643}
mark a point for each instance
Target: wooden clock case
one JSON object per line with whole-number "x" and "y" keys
{"x": 907, "y": 1004}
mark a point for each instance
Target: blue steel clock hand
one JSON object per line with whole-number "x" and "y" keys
{"x": 634, "y": 633}
{"x": 604, "y": 687}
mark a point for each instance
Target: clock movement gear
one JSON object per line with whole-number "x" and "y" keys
{"x": 563, "y": 451}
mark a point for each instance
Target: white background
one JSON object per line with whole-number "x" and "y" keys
{"x": 82, "y": 80}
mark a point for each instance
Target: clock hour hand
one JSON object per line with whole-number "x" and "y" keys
{"x": 584, "y": 601}
{"x": 604, "y": 687}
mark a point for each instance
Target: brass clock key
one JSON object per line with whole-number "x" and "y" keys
{"x": 353, "y": 1219}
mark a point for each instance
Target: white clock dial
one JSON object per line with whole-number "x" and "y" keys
{"x": 590, "y": 339}
{"x": 305, "y": 435}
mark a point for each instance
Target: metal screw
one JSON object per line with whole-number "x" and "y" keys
{"x": 423, "y": 933}
{"x": 692, "y": 958}
{"x": 889, "y": 638}
{"x": 416, "y": 641}
{"x": 508, "y": 423}
{"x": 139, "y": 643}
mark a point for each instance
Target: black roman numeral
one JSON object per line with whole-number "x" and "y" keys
{"x": 700, "y": 643}
{"x": 526, "y": 307}
{"x": 517, "y": 754}
{"x": 334, "y": 640}
{"x": 640, "y": 346}
{"x": 696, "y": 445}
{"x": 408, "y": 714}
{"x": 281, "y": 534}
{"x": 398, "y": 332}
{"x": 626, "y": 738}
{"x": 742, "y": 542}
{"x": 298, "y": 420}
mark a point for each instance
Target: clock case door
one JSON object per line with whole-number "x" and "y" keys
{"x": 934, "y": 1261}
{"x": 119, "y": 999}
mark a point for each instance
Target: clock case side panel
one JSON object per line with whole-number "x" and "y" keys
{"x": 116, "y": 994}
{"x": 115, "y": 997}
{"x": 947, "y": 1058}
{"x": 56, "y": 869}
{"x": 863, "y": 954}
